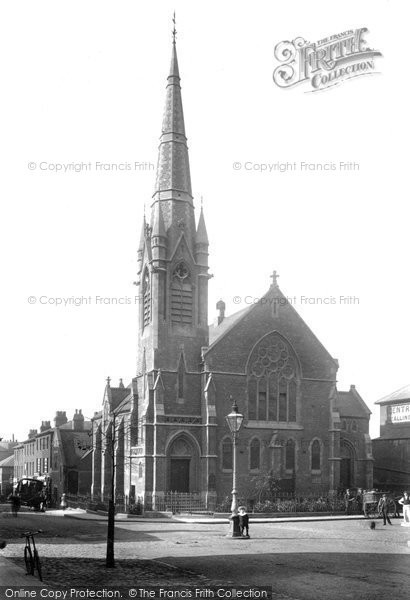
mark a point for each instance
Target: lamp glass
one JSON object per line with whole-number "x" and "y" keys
{"x": 234, "y": 420}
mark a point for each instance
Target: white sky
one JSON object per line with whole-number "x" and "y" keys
{"x": 85, "y": 82}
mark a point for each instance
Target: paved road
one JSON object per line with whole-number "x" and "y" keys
{"x": 319, "y": 560}
{"x": 303, "y": 560}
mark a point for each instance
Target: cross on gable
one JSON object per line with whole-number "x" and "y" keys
{"x": 274, "y": 278}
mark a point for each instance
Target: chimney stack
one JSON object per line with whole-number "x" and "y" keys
{"x": 221, "y": 307}
{"x": 78, "y": 421}
{"x": 32, "y": 434}
{"x": 60, "y": 418}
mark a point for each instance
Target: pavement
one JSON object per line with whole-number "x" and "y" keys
{"x": 84, "y": 515}
{"x": 11, "y": 574}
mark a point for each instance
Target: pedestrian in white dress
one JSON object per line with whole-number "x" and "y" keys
{"x": 405, "y": 502}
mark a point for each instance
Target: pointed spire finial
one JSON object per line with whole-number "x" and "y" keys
{"x": 174, "y": 31}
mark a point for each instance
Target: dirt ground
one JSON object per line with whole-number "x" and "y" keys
{"x": 304, "y": 560}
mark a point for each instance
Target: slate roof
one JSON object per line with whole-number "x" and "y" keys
{"x": 216, "y": 331}
{"x": 401, "y": 394}
{"x": 69, "y": 425}
{"x": 351, "y": 404}
{"x": 74, "y": 445}
{"x": 118, "y": 394}
{"x": 7, "y": 462}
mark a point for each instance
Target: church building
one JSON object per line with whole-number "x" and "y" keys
{"x": 167, "y": 430}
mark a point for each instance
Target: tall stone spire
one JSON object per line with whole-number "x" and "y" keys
{"x": 173, "y": 192}
{"x": 173, "y": 174}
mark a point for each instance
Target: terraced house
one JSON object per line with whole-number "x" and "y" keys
{"x": 171, "y": 433}
{"x": 57, "y": 454}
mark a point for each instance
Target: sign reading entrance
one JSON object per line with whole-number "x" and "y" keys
{"x": 399, "y": 413}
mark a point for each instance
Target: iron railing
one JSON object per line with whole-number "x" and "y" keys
{"x": 178, "y": 502}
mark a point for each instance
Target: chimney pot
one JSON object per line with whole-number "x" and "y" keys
{"x": 220, "y": 306}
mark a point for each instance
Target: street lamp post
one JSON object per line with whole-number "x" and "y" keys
{"x": 234, "y": 420}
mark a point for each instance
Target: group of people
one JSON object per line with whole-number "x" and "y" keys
{"x": 349, "y": 498}
{"x": 383, "y": 507}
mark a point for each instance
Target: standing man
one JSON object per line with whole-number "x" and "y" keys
{"x": 359, "y": 500}
{"x": 348, "y": 498}
{"x": 383, "y": 508}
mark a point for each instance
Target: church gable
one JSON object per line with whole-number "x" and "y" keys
{"x": 273, "y": 313}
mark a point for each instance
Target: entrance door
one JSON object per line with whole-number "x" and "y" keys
{"x": 345, "y": 472}
{"x": 179, "y": 475}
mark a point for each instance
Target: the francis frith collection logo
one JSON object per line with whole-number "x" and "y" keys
{"x": 325, "y": 63}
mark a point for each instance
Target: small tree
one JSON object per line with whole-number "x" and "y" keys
{"x": 266, "y": 486}
{"x": 110, "y": 447}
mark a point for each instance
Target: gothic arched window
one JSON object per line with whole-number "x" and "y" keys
{"x": 181, "y": 378}
{"x": 290, "y": 455}
{"x": 315, "y": 456}
{"x": 255, "y": 454}
{"x": 181, "y": 295}
{"x": 146, "y": 295}
{"x": 272, "y": 381}
{"x": 227, "y": 454}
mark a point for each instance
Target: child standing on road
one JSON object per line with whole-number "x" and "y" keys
{"x": 243, "y": 521}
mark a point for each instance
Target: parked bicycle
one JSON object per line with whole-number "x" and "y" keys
{"x": 31, "y": 557}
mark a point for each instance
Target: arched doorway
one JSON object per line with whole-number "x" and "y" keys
{"x": 347, "y": 464}
{"x": 182, "y": 465}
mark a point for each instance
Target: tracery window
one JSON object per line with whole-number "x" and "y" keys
{"x": 181, "y": 295}
{"x": 272, "y": 381}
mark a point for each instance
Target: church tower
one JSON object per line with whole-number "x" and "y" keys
{"x": 173, "y": 252}
{"x": 173, "y": 319}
